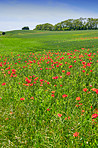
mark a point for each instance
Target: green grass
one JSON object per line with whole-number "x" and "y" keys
{"x": 31, "y": 41}
{"x": 41, "y": 76}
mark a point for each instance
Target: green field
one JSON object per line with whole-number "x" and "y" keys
{"x": 49, "y": 89}
{"x": 31, "y": 41}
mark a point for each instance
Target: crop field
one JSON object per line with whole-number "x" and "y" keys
{"x": 49, "y": 89}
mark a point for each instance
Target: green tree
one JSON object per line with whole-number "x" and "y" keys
{"x": 25, "y": 28}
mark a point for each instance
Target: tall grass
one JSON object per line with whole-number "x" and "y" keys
{"x": 49, "y": 98}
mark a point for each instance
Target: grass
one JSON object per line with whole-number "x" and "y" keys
{"x": 49, "y": 89}
{"x": 29, "y": 41}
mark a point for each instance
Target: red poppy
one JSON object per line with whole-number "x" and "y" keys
{"x": 68, "y": 73}
{"x": 94, "y": 115}
{"x": 22, "y": 99}
{"x": 76, "y": 134}
{"x": 52, "y": 95}
{"x": 3, "y": 84}
{"x": 96, "y": 91}
{"x": 63, "y": 71}
{"x": 53, "y": 92}
{"x": 64, "y": 96}
{"x": 85, "y": 89}
{"x": 78, "y": 98}
{"x": 59, "y": 115}
{"x": 32, "y": 98}
{"x": 70, "y": 66}
{"x": 83, "y": 71}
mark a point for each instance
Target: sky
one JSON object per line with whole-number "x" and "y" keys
{"x": 15, "y": 14}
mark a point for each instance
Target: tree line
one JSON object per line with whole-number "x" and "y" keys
{"x": 71, "y": 24}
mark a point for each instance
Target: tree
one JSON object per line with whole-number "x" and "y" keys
{"x": 3, "y": 33}
{"x": 45, "y": 26}
{"x": 25, "y": 28}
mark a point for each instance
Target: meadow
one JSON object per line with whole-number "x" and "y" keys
{"x": 49, "y": 89}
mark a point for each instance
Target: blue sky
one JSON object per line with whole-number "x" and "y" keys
{"x": 15, "y": 14}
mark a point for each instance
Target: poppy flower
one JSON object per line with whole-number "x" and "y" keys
{"x": 64, "y": 96}
{"x": 96, "y": 91}
{"x": 85, "y": 89}
{"x": 32, "y": 98}
{"x": 22, "y": 99}
{"x": 78, "y": 98}
{"x": 53, "y": 92}
{"x": 94, "y": 116}
{"x": 70, "y": 66}
{"x": 76, "y": 134}
{"x": 52, "y": 95}
{"x": 63, "y": 71}
{"x": 59, "y": 115}
{"x": 68, "y": 73}
{"x": 3, "y": 84}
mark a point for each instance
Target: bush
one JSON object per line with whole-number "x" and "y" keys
{"x": 25, "y": 28}
{"x": 3, "y": 33}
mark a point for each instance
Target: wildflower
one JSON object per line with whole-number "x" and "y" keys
{"x": 88, "y": 64}
{"x": 70, "y": 66}
{"x": 22, "y": 99}
{"x": 68, "y": 73}
{"x": 83, "y": 71}
{"x": 94, "y": 115}
{"x": 93, "y": 89}
{"x": 76, "y": 134}
{"x": 78, "y": 98}
{"x": 32, "y": 98}
{"x": 96, "y": 91}
{"x": 53, "y": 92}
{"x": 47, "y": 109}
{"x": 3, "y": 84}
{"x": 64, "y": 96}
{"x": 11, "y": 113}
{"x": 85, "y": 89}
{"x": 52, "y": 95}
{"x": 91, "y": 70}
{"x": 63, "y": 71}
{"x": 68, "y": 117}
{"x": 59, "y": 115}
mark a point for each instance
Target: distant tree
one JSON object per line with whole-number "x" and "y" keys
{"x": 3, "y": 33}
{"x": 71, "y": 24}
{"x": 25, "y": 28}
{"x": 45, "y": 26}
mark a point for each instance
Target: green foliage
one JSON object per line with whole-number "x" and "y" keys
{"x": 71, "y": 24}
{"x": 25, "y": 28}
{"x": 46, "y": 26}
